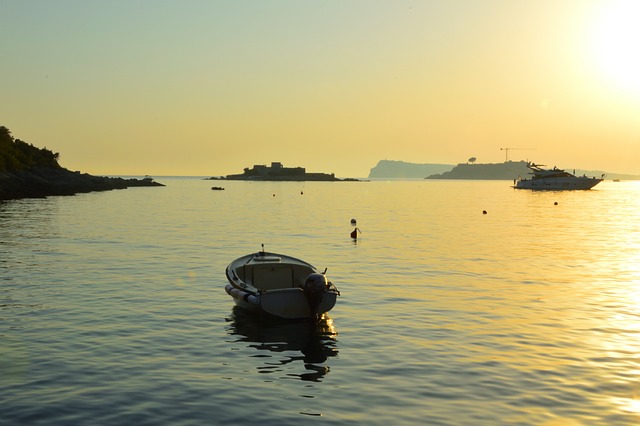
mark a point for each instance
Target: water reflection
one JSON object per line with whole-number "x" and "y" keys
{"x": 286, "y": 344}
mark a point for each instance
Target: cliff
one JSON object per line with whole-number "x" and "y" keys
{"x": 401, "y": 169}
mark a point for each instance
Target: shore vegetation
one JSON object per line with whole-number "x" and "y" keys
{"x": 16, "y": 154}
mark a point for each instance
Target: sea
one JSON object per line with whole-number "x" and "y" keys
{"x": 462, "y": 303}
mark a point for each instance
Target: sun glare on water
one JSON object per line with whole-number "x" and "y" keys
{"x": 615, "y": 43}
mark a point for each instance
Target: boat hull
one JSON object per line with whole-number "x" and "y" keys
{"x": 286, "y": 303}
{"x": 558, "y": 183}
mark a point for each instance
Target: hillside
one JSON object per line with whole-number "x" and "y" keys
{"x": 492, "y": 171}
{"x": 18, "y": 155}
{"x": 30, "y": 172}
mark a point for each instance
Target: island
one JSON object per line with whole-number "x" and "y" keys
{"x": 30, "y": 172}
{"x": 491, "y": 171}
{"x": 277, "y": 172}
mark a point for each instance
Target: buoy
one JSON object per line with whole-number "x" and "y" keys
{"x": 354, "y": 233}
{"x": 555, "y": 204}
{"x": 301, "y": 192}
{"x": 484, "y": 212}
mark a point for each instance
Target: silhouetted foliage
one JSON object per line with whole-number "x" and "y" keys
{"x": 19, "y": 155}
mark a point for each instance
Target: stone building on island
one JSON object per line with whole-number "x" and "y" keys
{"x": 278, "y": 172}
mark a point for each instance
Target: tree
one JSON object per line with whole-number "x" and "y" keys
{"x": 17, "y": 155}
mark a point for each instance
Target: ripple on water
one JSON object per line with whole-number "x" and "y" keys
{"x": 112, "y": 308}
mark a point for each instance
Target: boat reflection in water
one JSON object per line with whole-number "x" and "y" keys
{"x": 286, "y": 343}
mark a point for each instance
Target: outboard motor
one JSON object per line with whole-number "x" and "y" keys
{"x": 314, "y": 287}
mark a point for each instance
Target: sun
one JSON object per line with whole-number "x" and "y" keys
{"x": 616, "y": 43}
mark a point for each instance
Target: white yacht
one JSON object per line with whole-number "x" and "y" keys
{"x": 554, "y": 179}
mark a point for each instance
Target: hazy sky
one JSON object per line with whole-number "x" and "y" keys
{"x": 209, "y": 87}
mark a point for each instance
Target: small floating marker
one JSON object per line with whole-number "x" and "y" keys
{"x": 484, "y": 212}
{"x": 353, "y": 221}
{"x": 311, "y": 414}
{"x": 555, "y": 204}
{"x": 301, "y": 193}
{"x": 274, "y": 195}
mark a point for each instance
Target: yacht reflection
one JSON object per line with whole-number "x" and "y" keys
{"x": 285, "y": 342}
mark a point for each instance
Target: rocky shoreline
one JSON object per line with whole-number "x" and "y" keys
{"x": 41, "y": 182}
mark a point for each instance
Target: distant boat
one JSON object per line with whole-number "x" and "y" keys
{"x": 279, "y": 285}
{"x": 554, "y": 179}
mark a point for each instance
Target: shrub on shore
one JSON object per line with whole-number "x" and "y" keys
{"x": 19, "y": 155}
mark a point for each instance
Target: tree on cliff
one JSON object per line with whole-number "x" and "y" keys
{"x": 18, "y": 155}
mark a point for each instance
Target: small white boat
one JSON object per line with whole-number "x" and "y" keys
{"x": 554, "y": 179}
{"x": 280, "y": 285}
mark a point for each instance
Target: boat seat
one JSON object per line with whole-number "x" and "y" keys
{"x": 272, "y": 277}
{"x": 266, "y": 259}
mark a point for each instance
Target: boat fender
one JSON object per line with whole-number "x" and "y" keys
{"x": 239, "y": 294}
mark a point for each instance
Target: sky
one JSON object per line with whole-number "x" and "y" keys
{"x": 208, "y": 87}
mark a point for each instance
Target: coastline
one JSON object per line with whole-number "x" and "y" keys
{"x": 42, "y": 182}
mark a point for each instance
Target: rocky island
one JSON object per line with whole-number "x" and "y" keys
{"x": 491, "y": 171}
{"x": 30, "y": 172}
{"x": 277, "y": 172}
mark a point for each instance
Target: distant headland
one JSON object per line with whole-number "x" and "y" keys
{"x": 390, "y": 169}
{"x": 30, "y": 172}
{"x": 277, "y": 172}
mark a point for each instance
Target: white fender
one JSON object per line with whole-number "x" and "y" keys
{"x": 239, "y": 294}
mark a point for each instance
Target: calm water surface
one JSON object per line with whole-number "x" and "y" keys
{"x": 113, "y": 310}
